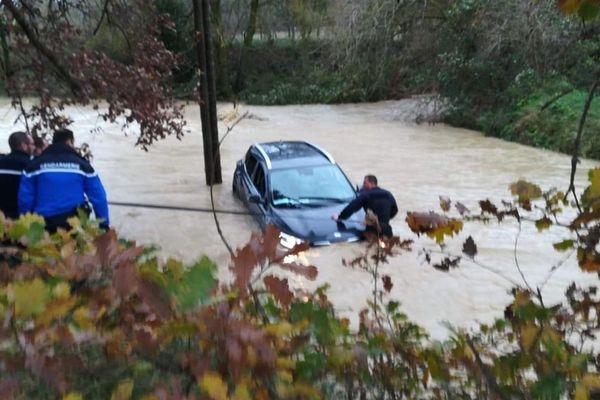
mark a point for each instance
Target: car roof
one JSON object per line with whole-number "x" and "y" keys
{"x": 288, "y": 154}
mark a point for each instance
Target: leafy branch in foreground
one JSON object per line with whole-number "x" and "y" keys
{"x": 84, "y": 314}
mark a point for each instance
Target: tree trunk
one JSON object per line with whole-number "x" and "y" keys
{"x": 248, "y": 36}
{"x": 212, "y": 93}
{"x": 221, "y": 63}
{"x": 251, "y": 28}
{"x": 208, "y": 114}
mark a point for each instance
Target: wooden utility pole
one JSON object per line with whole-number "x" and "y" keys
{"x": 208, "y": 98}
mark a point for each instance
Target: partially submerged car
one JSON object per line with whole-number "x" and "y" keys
{"x": 297, "y": 186}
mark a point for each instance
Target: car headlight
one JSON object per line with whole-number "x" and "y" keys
{"x": 288, "y": 241}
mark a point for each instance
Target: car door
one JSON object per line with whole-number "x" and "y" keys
{"x": 243, "y": 176}
{"x": 258, "y": 204}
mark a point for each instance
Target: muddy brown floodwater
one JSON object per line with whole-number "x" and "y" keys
{"x": 418, "y": 163}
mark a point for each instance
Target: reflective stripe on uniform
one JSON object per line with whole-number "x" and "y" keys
{"x": 9, "y": 172}
{"x": 59, "y": 170}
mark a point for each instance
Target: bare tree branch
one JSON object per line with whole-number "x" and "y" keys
{"x": 212, "y": 199}
{"x": 104, "y": 13}
{"x": 516, "y": 257}
{"x": 485, "y": 371}
{"x": 575, "y": 158}
{"x": 47, "y": 53}
{"x": 555, "y": 98}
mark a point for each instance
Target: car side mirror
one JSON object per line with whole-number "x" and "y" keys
{"x": 254, "y": 198}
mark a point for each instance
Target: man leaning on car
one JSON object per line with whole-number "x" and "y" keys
{"x": 379, "y": 201}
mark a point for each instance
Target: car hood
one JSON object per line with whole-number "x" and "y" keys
{"x": 314, "y": 224}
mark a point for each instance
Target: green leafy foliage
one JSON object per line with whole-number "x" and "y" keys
{"x": 549, "y": 117}
{"x": 87, "y": 315}
{"x": 192, "y": 286}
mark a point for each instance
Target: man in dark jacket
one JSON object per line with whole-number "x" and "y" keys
{"x": 11, "y": 167}
{"x": 379, "y": 201}
{"x": 56, "y": 184}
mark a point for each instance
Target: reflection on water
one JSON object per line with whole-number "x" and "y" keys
{"x": 418, "y": 163}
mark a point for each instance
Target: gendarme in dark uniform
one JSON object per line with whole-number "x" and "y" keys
{"x": 58, "y": 182}
{"x": 11, "y": 168}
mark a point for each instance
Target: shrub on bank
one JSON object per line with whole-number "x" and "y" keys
{"x": 549, "y": 118}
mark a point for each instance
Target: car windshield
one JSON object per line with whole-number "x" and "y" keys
{"x": 315, "y": 185}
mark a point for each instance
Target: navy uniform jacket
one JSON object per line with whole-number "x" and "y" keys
{"x": 57, "y": 182}
{"x": 378, "y": 200}
{"x": 11, "y": 168}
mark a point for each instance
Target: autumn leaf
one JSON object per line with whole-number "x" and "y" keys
{"x": 146, "y": 339}
{"x": 61, "y": 291}
{"x": 588, "y": 261}
{"x": 530, "y": 333}
{"x": 585, "y": 218}
{"x": 488, "y": 207}
{"x": 591, "y": 195}
{"x": 387, "y": 283}
{"x": 127, "y": 256}
{"x": 270, "y": 242}
{"x": 123, "y": 391}
{"x": 73, "y": 396}
{"x": 434, "y": 225}
{"x": 461, "y": 208}
{"x": 446, "y": 263}
{"x": 591, "y": 381}
{"x": 469, "y": 247}
{"x": 308, "y": 271}
{"x": 56, "y": 309}
{"x": 244, "y": 262}
{"x": 30, "y": 297}
{"x": 279, "y": 288}
{"x": 564, "y": 245}
{"x": 294, "y": 251}
{"x": 525, "y": 191}
{"x": 155, "y": 298}
{"x": 107, "y": 246}
{"x": 543, "y": 224}
{"x": 581, "y": 392}
{"x": 62, "y": 334}
{"x": 126, "y": 279}
{"x": 445, "y": 203}
{"x": 450, "y": 229}
{"x": 83, "y": 318}
{"x": 214, "y": 386}
{"x": 241, "y": 392}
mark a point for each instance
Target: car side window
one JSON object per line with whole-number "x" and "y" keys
{"x": 259, "y": 180}
{"x": 250, "y": 163}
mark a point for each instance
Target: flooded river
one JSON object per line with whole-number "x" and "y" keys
{"x": 418, "y": 163}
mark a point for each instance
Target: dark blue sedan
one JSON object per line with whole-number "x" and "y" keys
{"x": 297, "y": 186}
